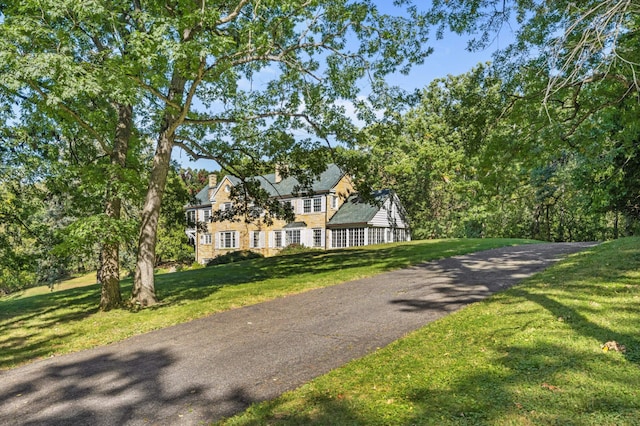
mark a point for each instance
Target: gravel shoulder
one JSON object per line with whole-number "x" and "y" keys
{"x": 214, "y": 367}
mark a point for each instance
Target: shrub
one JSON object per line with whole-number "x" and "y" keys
{"x": 297, "y": 248}
{"x": 234, "y": 256}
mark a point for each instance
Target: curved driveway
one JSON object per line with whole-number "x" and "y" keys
{"x": 216, "y": 366}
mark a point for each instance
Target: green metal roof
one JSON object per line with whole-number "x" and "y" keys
{"x": 201, "y": 199}
{"x": 324, "y": 183}
{"x": 356, "y": 210}
{"x": 295, "y": 225}
{"x": 285, "y": 188}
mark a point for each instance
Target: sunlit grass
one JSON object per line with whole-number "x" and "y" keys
{"x": 41, "y": 323}
{"x": 529, "y": 356}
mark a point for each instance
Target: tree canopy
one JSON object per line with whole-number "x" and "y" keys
{"x": 95, "y": 96}
{"x": 542, "y": 144}
{"x": 246, "y": 83}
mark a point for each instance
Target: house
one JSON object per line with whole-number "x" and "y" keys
{"x": 332, "y": 217}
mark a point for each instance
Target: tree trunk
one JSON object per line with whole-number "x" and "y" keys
{"x": 143, "y": 292}
{"x": 548, "y": 224}
{"x": 109, "y": 273}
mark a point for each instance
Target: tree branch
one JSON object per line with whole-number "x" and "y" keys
{"x": 75, "y": 115}
{"x": 234, "y": 14}
{"x": 155, "y": 92}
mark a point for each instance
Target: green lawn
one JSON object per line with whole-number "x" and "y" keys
{"x": 529, "y": 356}
{"x": 41, "y": 323}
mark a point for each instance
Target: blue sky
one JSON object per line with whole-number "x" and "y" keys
{"x": 449, "y": 57}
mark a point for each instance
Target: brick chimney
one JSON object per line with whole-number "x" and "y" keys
{"x": 280, "y": 168}
{"x": 213, "y": 181}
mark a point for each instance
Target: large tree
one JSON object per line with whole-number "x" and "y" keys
{"x": 246, "y": 83}
{"x": 57, "y": 69}
{"x": 232, "y": 81}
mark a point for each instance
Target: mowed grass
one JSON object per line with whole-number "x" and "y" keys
{"x": 40, "y": 323}
{"x": 529, "y": 356}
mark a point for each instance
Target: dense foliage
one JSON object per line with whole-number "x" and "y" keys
{"x": 245, "y": 83}
{"x": 544, "y": 143}
{"x": 474, "y": 159}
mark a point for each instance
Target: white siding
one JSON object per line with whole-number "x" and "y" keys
{"x": 388, "y": 216}
{"x": 381, "y": 218}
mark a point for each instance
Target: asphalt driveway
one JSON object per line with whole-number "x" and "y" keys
{"x": 216, "y": 366}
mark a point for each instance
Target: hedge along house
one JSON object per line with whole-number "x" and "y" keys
{"x": 332, "y": 217}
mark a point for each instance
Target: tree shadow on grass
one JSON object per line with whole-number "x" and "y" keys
{"x": 22, "y": 322}
{"x": 458, "y": 281}
{"x": 581, "y": 325}
{"x": 524, "y": 385}
{"x": 197, "y": 284}
{"x": 530, "y": 385}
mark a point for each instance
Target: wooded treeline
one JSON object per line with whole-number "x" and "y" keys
{"x": 473, "y": 159}
{"x": 94, "y": 96}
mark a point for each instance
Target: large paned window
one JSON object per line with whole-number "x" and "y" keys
{"x": 228, "y": 239}
{"x": 376, "y": 235}
{"x": 338, "y": 238}
{"x": 277, "y": 238}
{"x": 400, "y": 235}
{"x": 255, "y": 239}
{"x": 306, "y": 205}
{"x": 205, "y": 239}
{"x": 351, "y": 237}
{"x": 312, "y": 205}
{"x": 292, "y": 236}
{"x": 206, "y": 215}
{"x": 191, "y": 217}
{"x": 356, "y": 237}
{"x": 317, "y": 237}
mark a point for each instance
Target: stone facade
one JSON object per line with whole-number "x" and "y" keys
{"x": 309, "y": 228}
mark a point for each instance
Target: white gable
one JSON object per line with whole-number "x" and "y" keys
{"x": 390, "y": 215}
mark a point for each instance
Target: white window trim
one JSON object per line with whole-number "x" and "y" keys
{"x": 192, "y": 216}
{"x": 220, "y": 240}
{"x": 252, "y": 239}
{"x": 322, "y": 237}
{"x": 278, "y": 234}
{"x": 288, "y": 232}
{"x": 307, "y": 203}
{"x": 205, "y": 239}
